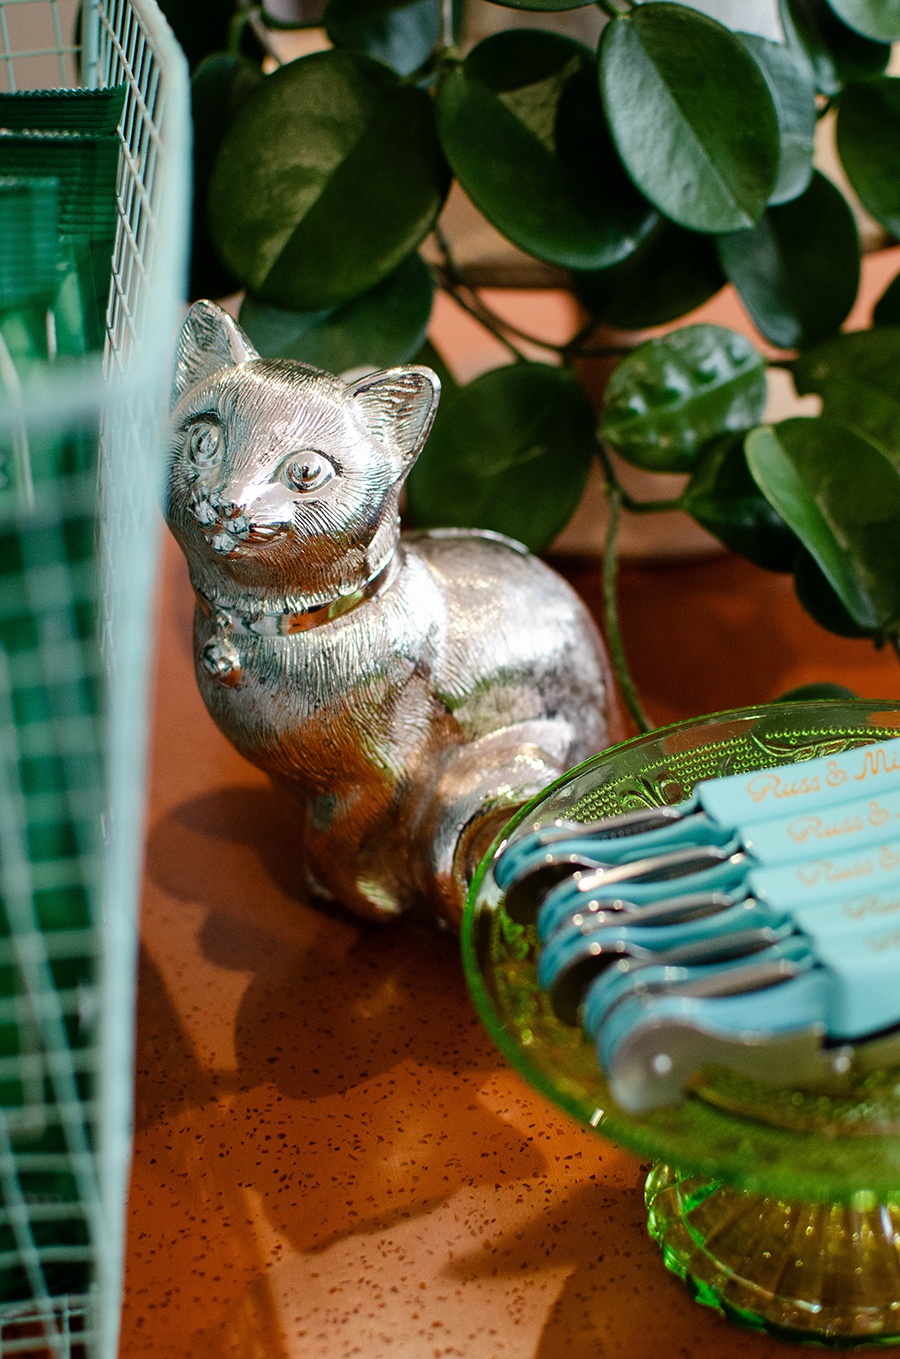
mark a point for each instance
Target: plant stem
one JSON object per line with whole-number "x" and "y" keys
{"x": 627, "y": 499}
{"x": 574, "y": 348}
{"x": 461, "y": 298}
{"x": 468, "y": 297}
{"x": 244, "y": 15}
{"x": 604, "y": 351}
{"x": 466, "y": 294}
{"x": 448, "y": 37}
{"x": 611, "y": 611}
{"x": 648, "y": 506}
{"x": 894, "y": 641}
{"x": 428, "y": 71}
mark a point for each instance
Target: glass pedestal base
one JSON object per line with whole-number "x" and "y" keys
{"x": 824, "y": 1273}
{"x": 810, "y": 1249}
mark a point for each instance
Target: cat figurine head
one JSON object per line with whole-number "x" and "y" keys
{"x": 284, "y": 481}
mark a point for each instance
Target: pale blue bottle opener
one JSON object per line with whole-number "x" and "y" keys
{"x": 583, "y": 932}
{"x": 656, "y": 1027}
{"x": 709, "y": 933}
{"x": 774, "y": 815}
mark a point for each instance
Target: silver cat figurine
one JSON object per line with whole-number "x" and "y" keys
{"x": 411, "y": 691}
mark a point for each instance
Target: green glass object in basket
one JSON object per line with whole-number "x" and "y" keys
{"x": 779, "y": 1206}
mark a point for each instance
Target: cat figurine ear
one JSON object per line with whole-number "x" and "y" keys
{"x": 209, "y": 340}
{"x": 398, "y": 406}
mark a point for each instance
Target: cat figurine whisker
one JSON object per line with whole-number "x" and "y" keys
{"x": 411, "y": 691}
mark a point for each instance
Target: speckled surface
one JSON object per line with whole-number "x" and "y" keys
{"x": 331, "y": 1159}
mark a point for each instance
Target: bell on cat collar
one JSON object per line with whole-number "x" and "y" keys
{"x": 220, "y": 660}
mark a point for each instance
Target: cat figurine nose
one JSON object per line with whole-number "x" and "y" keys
{"x": 215, "y": 512}
{"x": 226, "y": 509}
{"x": 203, "y": 512}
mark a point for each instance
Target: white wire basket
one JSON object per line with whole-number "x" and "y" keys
{"x": 76, "y": 577}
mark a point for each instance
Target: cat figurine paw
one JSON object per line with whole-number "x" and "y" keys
{"x": 410, "y": 690}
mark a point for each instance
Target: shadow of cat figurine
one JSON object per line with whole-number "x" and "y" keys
{"x": 411, "y": 691}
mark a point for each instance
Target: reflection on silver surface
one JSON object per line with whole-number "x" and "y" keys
{"x": 410, "y": 691}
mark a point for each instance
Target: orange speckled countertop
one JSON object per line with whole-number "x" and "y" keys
{"x": 331, "y": 1159}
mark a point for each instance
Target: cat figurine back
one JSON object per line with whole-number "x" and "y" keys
{"x": 410, "y": 691}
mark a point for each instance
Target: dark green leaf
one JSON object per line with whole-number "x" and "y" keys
{"x": 790, "y": 84}
{"x": 522, "y": 127}
{"x": 797, "y": 270}
{"x": 820, "y": 601}
{"x": 858, "y": 379}
{"x": 219, "y": 86}
{"x": 671, "y": 272}
{"x": 724, "y": 498}
{"x": 877, "y": 19}
{"x": 835, "y": 52}
{"x": 887, "y": 308}
{"x": 380, "y": 328}
{"x": 329, "y": 177}
{"x": 841, "y": 496}
{"x": 201, "y": 26}
{"x": 510, "y": 452}
{"x": 433, "y": 358}
{"x": 691, "y": 115}
{"x": 401, "y": 36}
{"x": 547, "y": 5}
{"x": 816, "y": 693}
{"x": 868, "y": 140}
{"x": 671, "y": 396}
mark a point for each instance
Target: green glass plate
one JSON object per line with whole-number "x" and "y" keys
{"x": 830, "y": 1143}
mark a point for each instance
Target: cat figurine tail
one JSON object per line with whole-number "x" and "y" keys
{"x": 411, "y": 691}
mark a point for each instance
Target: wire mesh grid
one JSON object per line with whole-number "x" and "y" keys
{"x": 76, "y": 573}
{"x": 37, "y": 44}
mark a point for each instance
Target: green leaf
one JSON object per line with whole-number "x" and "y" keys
{"x": 790, "y": 84}
{"x": 328, "y": 179}
{"x": 401, "y": 36}
{"x": 887, "y": 308}
{"x": 841, "y": 496}
{"x": 509, "y": 452}
{"x": 671, "y": 272}
{"x": 877, "y": 19}
{"x": 868, "y": 140}
{"x": 548, "y": 6}
{"x": 816, "y": 693}
{"x": 858, "y": 379}
{"x": 201, "y": 26}
{"x": 384, "y": 326}
{"x": 219, "y": 86}
{"x": 691, "y": 115}
{"x": 820, "y": 601}
{"x": 433, "y": 358}
{"x": 671, "y": 396}
{"x": 835, "y": 52}
{"x": 724, "y": 498}
{"x": 797, "y": 271}
{"x": 522, "y": 127}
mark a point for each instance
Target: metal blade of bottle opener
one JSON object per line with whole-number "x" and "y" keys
{"x": 580, "y": 942}
{"x": 756, "y": 971}
{"x": 648, "y": 873}
{"x": 575, "y": 956}
{"x": 843, "y": 998}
